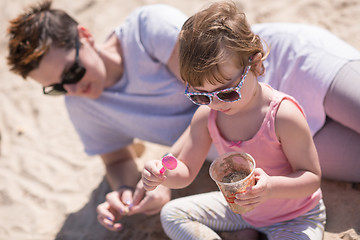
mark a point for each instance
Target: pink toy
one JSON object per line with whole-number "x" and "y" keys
{"x": 168, "y": 162}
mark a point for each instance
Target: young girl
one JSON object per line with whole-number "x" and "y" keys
{"x": 220, "y": 61}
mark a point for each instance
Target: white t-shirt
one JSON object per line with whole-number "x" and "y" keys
{"x": 148, "y": 102}
{"x": 303, "y": 61}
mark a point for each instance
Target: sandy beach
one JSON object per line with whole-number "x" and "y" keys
{"x": 49, "y": 188}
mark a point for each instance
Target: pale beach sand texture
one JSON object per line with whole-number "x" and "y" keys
{"x": 49, "y": 188}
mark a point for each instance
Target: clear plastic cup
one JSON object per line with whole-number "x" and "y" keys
{"x": 233, "y": 172}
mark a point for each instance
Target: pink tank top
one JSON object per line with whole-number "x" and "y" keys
{"x": 267, "y": 152}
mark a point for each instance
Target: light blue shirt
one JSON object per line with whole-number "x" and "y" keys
{"x": 148, "y": 102}
{"x": 303, "y": 62}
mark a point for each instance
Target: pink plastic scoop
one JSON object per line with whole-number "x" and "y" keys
{"x": 168, "y": 162}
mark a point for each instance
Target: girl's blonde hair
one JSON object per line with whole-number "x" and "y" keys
{"x": 212, "y": 36}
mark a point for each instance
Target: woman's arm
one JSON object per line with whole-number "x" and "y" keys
{"x": 121, "y": 168}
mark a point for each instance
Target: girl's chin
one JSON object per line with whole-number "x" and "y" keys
{"x": 225, "y": 110}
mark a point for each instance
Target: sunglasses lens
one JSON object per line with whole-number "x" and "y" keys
{"x": 200, "y": 99}
{"x": 54, "y": 90}
{"x": 229, "y": 96}
{"x": 74, "y": 75}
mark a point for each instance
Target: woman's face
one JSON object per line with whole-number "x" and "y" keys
{"x": 57, "y": 61}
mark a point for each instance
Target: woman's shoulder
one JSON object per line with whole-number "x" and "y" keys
{"x": 153, "y": 16}
{"x": 154, "y": 28}
{"x": 158, "y": 13}
{"x": 158, "y": 21}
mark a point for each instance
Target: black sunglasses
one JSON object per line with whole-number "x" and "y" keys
{"x": 75, "y": 73}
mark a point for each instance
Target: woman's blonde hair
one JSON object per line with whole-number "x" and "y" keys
{"x": 213, "y": 36}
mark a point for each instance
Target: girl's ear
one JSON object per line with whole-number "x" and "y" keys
{"x": 258, "y": 65}
{"x": 84, "y": 33}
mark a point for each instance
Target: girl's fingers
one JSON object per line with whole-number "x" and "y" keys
{"x": 151, "y": 181}
{"x": 247, "y": 201}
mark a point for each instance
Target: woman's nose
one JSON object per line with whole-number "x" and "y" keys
{"x": 70, "y": 88}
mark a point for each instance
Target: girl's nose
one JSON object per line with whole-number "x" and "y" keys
{"x": 215, "y": 101}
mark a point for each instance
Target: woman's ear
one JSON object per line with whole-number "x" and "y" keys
{"x": 84, "y": 33}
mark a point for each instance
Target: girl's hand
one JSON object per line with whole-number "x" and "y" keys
{"x": 151, "y": 175}
{"x": 256, "y": 194}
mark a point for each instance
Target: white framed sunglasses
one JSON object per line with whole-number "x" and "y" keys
{"x": 226, "y": 95}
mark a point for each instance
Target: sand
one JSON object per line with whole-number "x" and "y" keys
{"x": 49, "y": 188}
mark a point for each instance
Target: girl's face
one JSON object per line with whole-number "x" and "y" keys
{"x": 58, "y": 61}
{"x": 233, "y": 76}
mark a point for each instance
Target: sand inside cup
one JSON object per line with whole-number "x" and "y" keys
{"x": 235, "y": 176}
{"x": 233, "y": 172}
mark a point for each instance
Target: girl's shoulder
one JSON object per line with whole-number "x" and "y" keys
{"x": 290, "y": 118}
{"x": 201, "y": 115}
{"x": 199, "y": 122}
{"x": 288, "y": 110}
{"x": 202, "y": 112}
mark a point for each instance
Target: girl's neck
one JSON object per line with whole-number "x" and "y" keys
{"x": 244, "y": 124}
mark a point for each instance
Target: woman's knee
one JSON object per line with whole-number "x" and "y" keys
{"x": 334, "y": 142}
{"x": 342, "y": 102}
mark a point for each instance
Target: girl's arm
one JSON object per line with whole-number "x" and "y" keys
{"x": 192, "y": 146}
{"x": 297, "y": 143}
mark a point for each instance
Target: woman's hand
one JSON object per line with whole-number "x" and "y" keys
{"x": 149, "y": 202}
{"x": 126, "y": 202}
{"x": 117, "y": 205}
